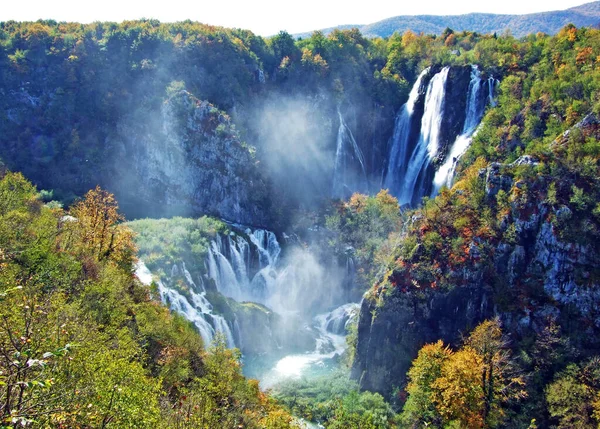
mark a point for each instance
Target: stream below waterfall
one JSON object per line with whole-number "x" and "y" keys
{"x": 323, "y": 359}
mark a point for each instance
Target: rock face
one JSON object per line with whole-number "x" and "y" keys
{"x": 191, "y": 160}
{"x": 537, "y": 273}
{"x": 390, "y": 336}
{"x": 455, "y": 103}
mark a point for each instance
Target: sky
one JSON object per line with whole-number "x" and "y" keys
{"x": 263, "y": 17}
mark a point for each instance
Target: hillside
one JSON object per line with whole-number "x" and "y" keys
{"x": 587, "y": 15}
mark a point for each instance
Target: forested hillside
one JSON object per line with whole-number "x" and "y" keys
{"x": 519, "y": 25}
{"x": 515, "y": 238}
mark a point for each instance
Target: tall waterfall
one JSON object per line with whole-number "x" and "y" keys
{"x": 427, "y": 146}
{"x": 400, "y": 140}
{"x": 349, "y": 173}
{"x": 474, "y": 112}
{"x": 199, "y": 312}
{"x": 442, "y": 135}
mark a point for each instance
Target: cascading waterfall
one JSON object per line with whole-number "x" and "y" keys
{"x": 200, "y": 313}
{"x": 474, "y": 113}
{"x": 400, "y": 140}
{"x": 223, "y": 273}
{"x": 348, "y": 157}
{"x": 267, "y": 245}
{"x": 427, "y": 146}
{"x": 492, "y": 84}
{"x": 297, "y": 288}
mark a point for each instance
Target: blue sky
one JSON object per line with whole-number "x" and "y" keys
{"x": 264, "y": 17}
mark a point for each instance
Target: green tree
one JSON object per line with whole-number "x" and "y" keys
{"x": 420, "y": 409}
{"x": 573, "y": 397}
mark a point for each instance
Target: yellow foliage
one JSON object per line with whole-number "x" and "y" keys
{"x": 357, "y": 202}
{"x": 458, "y": 391}
{"x": 95, "y": 231}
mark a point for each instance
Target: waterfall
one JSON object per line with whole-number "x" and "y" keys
{"x": 222, "y": 272}
{"x": 400, "y": 139}
{"x": 427, "y": 146}
{"x": 200, "y": 313}
{"x": 474, "y": 112}
{"x": 346, "y": 179}
{"x": 337, "y": 321}
{"x": 267, "y": 246}
{"x": 492, "y": 83}
{"x": 247, "y": 267}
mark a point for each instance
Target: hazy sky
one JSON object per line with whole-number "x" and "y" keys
{"x": 264, "y": 17}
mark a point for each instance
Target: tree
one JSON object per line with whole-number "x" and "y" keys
{"x": 458, "y": 392}
{"x": 420, "y": 409}
{"x": 500, "y": 381}
{"x": 574, "y": 397}
{"x": 95, "y": 231}
{"x": 470, "y": 387}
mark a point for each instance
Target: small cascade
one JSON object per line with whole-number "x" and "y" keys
{"x": 239, "y": 250}
{"x": 222, "y": 272}
{"x": 474, "y": 112}
{"x": 400, "y": 140}
{"x": 329, "y": 345}
{"x": 348, "y": 159}
{"x": 492, "y": 84}
{"x": 267, "y": 245}
{"x": 200, "y": 313}
{"x": 338, "y": 320}
{"x": 427, "y": 146}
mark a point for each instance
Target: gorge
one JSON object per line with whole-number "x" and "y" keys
{"x": 328, "y": 216}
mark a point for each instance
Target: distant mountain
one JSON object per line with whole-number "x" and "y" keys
{"x": 586, "y": 15}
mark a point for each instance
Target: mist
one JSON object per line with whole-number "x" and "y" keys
{"x": 295, "y": 135}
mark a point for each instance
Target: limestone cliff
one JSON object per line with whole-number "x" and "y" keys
{"x": 535, "y": 265}
{"x": 189, "y": 160}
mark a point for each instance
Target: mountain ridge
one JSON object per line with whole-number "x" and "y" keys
{"x": 549, "y": 22}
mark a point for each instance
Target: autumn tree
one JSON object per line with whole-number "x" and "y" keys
{"x": 470, "y": 387}
{"x": 458, "y": 392}
{"x": 500, "y": 381}
{"x": 94, "y": 229}
{"x": 420, "y": 409}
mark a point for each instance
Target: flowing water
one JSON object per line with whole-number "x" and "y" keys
{"x": 427, "y": 146}
{"x": 199, "y": 311}
{"x": 349, "y": 174}
{"x": 296, "y": 288}
{"x": 400, "y": 140}
{"x": 331, "y": 343}
{"x": 410, "y": 165}
{"x": 474, "y": 112}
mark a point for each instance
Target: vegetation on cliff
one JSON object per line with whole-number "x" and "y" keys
{"x": 83, "y": 343}
{"x": 520, "y": 226}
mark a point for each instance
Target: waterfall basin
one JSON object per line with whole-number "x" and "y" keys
{"x": 324, "y": 358}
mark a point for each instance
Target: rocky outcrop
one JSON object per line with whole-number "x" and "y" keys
{"x": 536, "y": 273}
{"x": 189, "y": 160}
{"x": 391, "y": 331}
{"x": 455, "y": 104}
